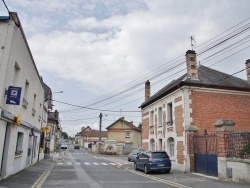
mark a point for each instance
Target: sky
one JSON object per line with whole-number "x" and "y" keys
{"x": 100, "y": 53}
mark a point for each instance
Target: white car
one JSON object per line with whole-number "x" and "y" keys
{"x": 64, "y": 146}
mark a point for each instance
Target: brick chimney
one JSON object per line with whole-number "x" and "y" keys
{"x": 147, "y": 90}
{"x": 248, "y": 70}
{"x": 191, "y": 64}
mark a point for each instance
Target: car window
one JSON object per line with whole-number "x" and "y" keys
{"x": 159, "y": 155}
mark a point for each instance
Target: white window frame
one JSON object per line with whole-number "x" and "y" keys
{"x": 127, "y": 133}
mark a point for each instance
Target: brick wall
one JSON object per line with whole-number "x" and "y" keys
{"x": 179, "y": 120}
{"x": 180, "y": 149}
{"x": 145, "y": 146}
{"x": 208, "y": 107}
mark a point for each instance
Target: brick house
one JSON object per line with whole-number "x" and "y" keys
{"x": 90, "y": 136}
{"x": 123, "y": 131}
{"x": 200, "y": 97}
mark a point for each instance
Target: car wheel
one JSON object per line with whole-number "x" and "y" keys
{"x": 145, "y": 169}
{"x": 135, "y": 166}
{"x": 167, "y": 171}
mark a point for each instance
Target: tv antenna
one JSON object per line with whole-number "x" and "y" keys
{"x": 192, "y": 42}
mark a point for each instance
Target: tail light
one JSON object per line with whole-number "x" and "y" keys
{"x": 150, "y": 157}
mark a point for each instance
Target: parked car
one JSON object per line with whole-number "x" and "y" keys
{"x": 64, "y": 146}
{"x": 76, "y": 146}
{"x": 153, "y": 161}
{"x": 133, "y": 154}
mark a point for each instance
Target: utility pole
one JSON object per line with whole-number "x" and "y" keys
{"x": 100, "y": 127}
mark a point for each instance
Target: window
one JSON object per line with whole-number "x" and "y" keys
{"x": 34, "y": 105}
{"x": 160, "y": 117}
{"x": 19, "y": 144}
{"x": 151, "y": 120}
{"x": 171, "y": 146}
{"x": 127, "y": 134}
{"x": 170, "y": 114}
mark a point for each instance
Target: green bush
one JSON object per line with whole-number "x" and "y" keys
{"x": 245, "y": 151}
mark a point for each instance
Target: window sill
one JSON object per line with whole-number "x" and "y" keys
{"x": 18, "y": 156}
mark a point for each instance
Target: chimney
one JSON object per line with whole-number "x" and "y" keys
{"x": 248, "y": 70}
{"x": 131, "y": 122}
{"x": 191, "y": 64}
{"x": 56, "y": 114}
{"x": 147, "y": 90}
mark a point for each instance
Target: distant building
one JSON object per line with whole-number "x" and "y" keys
{"x": 123, "y": 131}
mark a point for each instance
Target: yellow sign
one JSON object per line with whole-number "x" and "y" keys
{"x": 18, "y": 120}
{"x": 46, "y": 128}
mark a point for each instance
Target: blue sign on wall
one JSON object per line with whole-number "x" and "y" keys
{"x": 14, "y": 95}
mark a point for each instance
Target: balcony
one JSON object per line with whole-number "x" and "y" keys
{"x": 33, "y": 112}
{"x": 25, "y": 103}
{"x": 151, "y": 127}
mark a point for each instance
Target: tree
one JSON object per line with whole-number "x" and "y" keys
{"x": 140, "y": 126}
{"x": 65, "y": 135}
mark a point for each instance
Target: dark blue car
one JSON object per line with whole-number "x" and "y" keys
{"x": 153, "y": 161}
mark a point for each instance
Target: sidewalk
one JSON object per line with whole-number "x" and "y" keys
{"x": 29, "y": 176}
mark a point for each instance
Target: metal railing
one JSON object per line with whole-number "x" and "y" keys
{"x": 238, "y": 145}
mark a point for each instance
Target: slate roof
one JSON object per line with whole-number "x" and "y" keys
{"x": 207, "y": 78}
{"x": 126, "y": 122}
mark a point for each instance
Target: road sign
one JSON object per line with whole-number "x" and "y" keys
{"x": 13, "y": 95}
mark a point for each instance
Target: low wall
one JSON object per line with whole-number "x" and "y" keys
{"x": 235, "y": 170}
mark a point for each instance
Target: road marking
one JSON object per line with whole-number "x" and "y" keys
{"x": 104, "y": 163}
{"x": 158, "y": 179}
{"x": 112, "y": 163}
{"x": 95, "y": 163}
{"x": 69, "y": 163}
{"x": 78, "y": 163}
{"x": 95, "y": 157}
{"x": 119, "y": 164}
{"x": 60, "y": 163}
{"x": 86, "y": 163}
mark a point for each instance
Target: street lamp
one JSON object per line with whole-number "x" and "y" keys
{"x": 58, "y": 92}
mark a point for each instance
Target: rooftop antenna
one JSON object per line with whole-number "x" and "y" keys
{"x": 192, "y": 42}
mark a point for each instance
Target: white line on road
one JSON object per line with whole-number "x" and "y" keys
{"x": 95, "y": 163}
{"x": 95, "y": 157}
{"x": 69, "y": 163}
{"x": 86, "y": 163}
{"x": 112, "y": 163}
{"x": 78, "y": 163}
{"x": 104, "y": 163}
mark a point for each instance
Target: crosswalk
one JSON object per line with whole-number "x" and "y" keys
{"x": 93, "y": 163}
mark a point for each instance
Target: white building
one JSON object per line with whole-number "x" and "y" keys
{"x": 19, "y": 143}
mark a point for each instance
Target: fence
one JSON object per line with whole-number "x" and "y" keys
{"x": 238, "y": 145}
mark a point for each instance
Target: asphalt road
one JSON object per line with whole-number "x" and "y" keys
{"x": 80, "y": 168}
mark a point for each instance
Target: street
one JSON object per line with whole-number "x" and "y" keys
{"x": 81, "y": 168}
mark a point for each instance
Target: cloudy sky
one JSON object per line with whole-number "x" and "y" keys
{"x": 101, "y": 52}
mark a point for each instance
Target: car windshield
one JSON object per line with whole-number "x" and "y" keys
{"x": 159, "y": 155}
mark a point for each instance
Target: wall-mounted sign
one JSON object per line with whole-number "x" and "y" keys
{"x": 46, "y": 128}
{"x": 18, "y": 120}
{"x": 14, "y": 95}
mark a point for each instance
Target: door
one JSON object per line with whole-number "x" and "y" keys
{"x": 205, "y": 154}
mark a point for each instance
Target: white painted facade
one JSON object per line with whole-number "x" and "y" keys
{"x": 19, "y": 145}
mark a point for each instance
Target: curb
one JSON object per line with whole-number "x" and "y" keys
{"x": 43, "y": 175}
